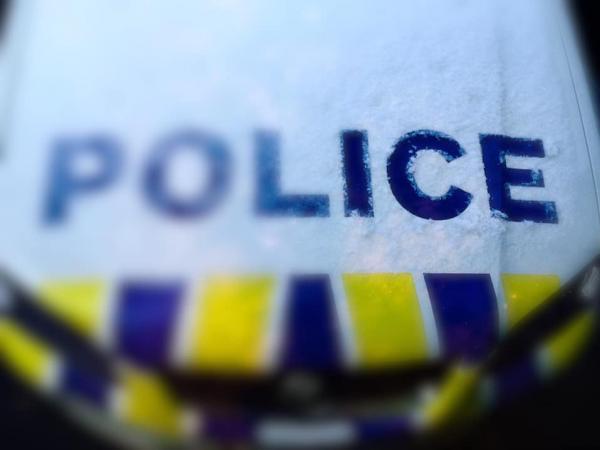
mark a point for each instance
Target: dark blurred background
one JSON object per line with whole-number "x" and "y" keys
{"x": 562, "y": 416}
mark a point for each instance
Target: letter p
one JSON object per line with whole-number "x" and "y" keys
{"x": 78, "y": 166}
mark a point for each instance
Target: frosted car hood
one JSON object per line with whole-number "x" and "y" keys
{"x": 299, "y": 76}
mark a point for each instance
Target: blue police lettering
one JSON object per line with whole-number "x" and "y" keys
{"x": 404, "y": 186}
{"x": 212, "y": 150}
{"x": 66, "y": 186}
{"x": 499, "y": 178}
{"x": 358, "y": 194}
{"x": 269, "y": 199}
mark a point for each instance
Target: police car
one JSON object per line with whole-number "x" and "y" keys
{"x": 285, "y": 224}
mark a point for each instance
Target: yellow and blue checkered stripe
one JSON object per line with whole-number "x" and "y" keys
{"x": 142, "y": 401}
{"x": 225, "y": 323}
